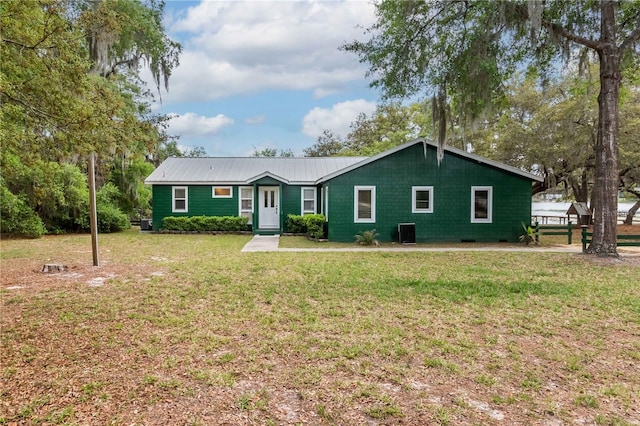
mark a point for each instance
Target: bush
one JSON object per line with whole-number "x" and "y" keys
{"x": 111, "y": 219}
{"x": 17, "y": 218}
{"x": 205, "y": 223}
{"x": 295, "y": 224}
{"x": 315, "y": 225}
{"x": 173, "y": 223}
{"x": 312, "y": 225}
{"x": 58, "y": 192}
{"x": 198, "y": 223}
{"x": 367, "y": 238}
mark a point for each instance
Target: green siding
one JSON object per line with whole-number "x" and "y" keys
{"x": 290, "y": 202}
{"x": 394, "y": 175}
{"x": 200, "y": 203}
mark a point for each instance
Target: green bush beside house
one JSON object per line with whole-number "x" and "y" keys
{"x": 205, "y": 223}
{"x": 311, "y": 224}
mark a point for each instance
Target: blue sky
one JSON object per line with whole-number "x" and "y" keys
{"x": 265, "y": 74}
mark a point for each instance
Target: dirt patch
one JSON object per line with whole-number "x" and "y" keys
{"x": 28, "y": 277}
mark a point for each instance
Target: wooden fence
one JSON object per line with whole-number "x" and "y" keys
{"x": 554, "y": 230}
{"x": 623, "y": 240}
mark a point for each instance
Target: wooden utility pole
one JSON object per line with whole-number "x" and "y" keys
{"x": 93, "y": 220}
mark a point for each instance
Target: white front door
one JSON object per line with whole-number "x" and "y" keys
{"x": 269, "y": 198}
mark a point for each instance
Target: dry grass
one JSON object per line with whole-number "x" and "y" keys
{"x": 185, "y": 329}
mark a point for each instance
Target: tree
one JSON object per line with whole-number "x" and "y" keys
{"x": 466, "y": 50}
{"x": 122, "y": 33}
{"x": 196, "y": 151}
{"x": 56, "y": 108}
{"x": 272, "y": 152}
{"x": 550, "y": 131}
{"x": 328, "y": 144}
{"x": 630, "y": 148}
{"x": 390, "y": 125}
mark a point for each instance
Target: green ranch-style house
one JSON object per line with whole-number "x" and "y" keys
{"x": 464, "y": 198}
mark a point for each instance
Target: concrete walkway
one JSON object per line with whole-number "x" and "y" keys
{"x": 269, "y": 243}
{"x": 262, "y": 243}
{"x": 401, "y": 249}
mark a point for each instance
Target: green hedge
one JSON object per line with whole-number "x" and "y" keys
{"x": 310, "y": 224}
{"x": 205, "y": 223}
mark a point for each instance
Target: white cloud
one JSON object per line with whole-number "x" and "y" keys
{"x": 258, "y": 119}
{"x": 337, "y": 119}
{"x": 191, "y": 125}
{"x": 322, "y": 92}
{"x": 243, "y": 47}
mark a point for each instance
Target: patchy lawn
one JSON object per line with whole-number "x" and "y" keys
{"x": 186, "y": 329}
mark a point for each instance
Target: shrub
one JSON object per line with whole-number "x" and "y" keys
{"x": 174, "y": 223}
{"x": 529, "y": 235}
{"x": 367, "y": 238}
{"x": 59, "y": 193}
{"x": 17, "y": 218}
{"x": 111, "y": 219}
{"x": 198, "y": 223}
{"x": 205, "y": 223}
{"x": 315, "y": 225}
{"x": 311, "y": 224}
{"x": 295, "y": 224}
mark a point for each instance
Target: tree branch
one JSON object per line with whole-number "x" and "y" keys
{"x": 24, "y": 46}
{"x": 631, "y": 40}
{"x": 38, "y": 43}
{"x": 560, "y": 30}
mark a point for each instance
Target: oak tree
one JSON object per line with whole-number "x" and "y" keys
{"x": 465, "y": 50}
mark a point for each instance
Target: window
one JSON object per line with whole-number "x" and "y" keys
{"x": 246, "y": 202}
{"x": 481, "y": 202}
{"x": 364, "y": 209}
{"x": 179, "y": 199}
{"x": 308, "y": 201}
{"x": 222, "y": 192}
{"x": 422, "y": 199}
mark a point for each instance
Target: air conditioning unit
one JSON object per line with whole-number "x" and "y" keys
{"x": 146, "y": 224}
{"x": 407, "y": 233}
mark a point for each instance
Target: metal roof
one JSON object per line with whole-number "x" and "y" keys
{"x": 290, "y": 170}
{"x": 244, "y": 170}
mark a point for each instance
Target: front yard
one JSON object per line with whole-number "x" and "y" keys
{"x": 186, "y": 329}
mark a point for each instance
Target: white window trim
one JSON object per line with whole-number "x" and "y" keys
{"x": 414, "y": 208}
{"x": 325, "y": 203}
{"x": 356, "y": 189}
{"x": 173, "y": 199}
{"x": 302, "y": 200}
{"x": 213, "y": 192}
{"x": 489, "y": 190}
{"x": 240, "y": 199}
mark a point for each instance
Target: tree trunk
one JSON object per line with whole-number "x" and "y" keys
{"x": 631, "y": 213}
{"x": 580, "y": 189}
{"x": 605, "y": 215}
